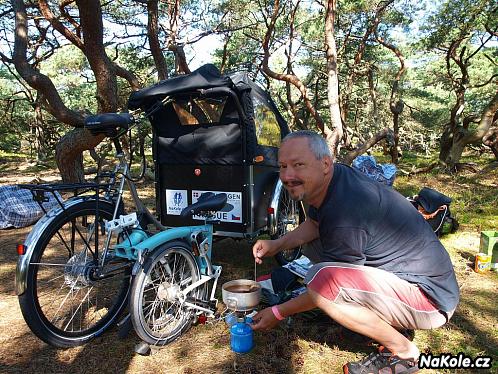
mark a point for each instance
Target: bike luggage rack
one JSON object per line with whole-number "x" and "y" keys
{"x": 39, "y": 191}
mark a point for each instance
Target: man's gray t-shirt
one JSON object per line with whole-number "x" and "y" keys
{"x": 364, "y": 222}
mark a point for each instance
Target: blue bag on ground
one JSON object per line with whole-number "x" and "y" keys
{"x": 18, "y": 209}
{"x": 383, "y": 173}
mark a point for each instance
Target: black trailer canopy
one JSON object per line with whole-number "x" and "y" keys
{"x": 211, "y": 119}
{"x": 207, "y": 76}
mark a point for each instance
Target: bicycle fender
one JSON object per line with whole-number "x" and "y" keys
{"x": 151, "y": 244}
{"x": 35, "y": 235}
{"x": 272, "y": 217}
{"x": 149, "y": 259}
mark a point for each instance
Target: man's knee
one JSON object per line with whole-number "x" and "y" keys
{"x": 320, "y": 301}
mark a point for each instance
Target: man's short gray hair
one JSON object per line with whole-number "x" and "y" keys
{"x": 316, "y": 142}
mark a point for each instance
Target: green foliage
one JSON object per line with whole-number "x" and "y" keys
{"x": 73, "y": 78}
{"x": 454, "y": 19}
{"x": 14, "y": 113}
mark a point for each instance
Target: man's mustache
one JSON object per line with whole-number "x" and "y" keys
{"x": 292, "y": 183}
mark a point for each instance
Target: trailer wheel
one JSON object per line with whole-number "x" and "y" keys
{"x": 290, "y": 214}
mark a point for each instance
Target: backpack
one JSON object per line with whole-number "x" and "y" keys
{"x": 435, "y": 208}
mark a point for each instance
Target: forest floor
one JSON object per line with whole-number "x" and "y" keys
{"x": 306, "y": 343}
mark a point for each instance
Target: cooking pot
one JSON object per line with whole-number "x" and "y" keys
{"x": 241, "y": 294}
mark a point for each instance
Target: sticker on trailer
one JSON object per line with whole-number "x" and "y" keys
{"x": 231, "y": 212}
{"x": 176, "y": 201}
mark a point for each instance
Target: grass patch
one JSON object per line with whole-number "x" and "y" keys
{"x": 474, "y": 194}
{"x": 12, "y": 155}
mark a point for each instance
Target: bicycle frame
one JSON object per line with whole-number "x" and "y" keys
{"x": 137, "y": 243}
{"x": 110, "y": 255}
{"x": 203, "y": 258}
{"x": 135, "y": 249}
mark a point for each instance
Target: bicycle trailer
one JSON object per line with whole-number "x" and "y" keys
{"x": 218, "y": 133}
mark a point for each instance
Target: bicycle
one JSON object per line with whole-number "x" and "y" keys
{"x": 86, "y": 259}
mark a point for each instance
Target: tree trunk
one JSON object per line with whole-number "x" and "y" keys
{"x": 459, "y": 84}
{"x": 335, "y": 134}
{"x": 69, "y": 153}
{"x": 494, "y": 149}
{"x": 181, "y": 65}
{"x": 153, "y": 36}
{"x": 32, "y": 76}
{"x": 396, "y": 104}
{"x": 445, "y": 142}
{"x": 348, "y": 159}
{"x": 69, "y": 150}
{"x": 450, "y": 128}
{"x": 102, "y": 67}
{"x": 373, "y": 96}
{"x": 491, "y": 139}
{"x": 40, "y": 141}
{"x": 463, "y": 137}
{"x": 396, "y": 110}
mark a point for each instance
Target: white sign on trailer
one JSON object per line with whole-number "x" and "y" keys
{"x": 176, "y": 201}
{"x": 231, "y": 212}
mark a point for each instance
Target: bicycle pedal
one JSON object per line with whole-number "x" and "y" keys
{"x": 142, "y": 348}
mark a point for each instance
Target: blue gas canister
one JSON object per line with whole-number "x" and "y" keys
{"x": 241, "y": 337}
{"x": 230, "y": 320}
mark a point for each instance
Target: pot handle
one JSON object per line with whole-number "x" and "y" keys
{"x": 232, "y": 303}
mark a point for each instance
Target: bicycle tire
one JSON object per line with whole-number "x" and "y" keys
{"x": 290, "y": 214}
{"x": 157, "y": 314}
{"x": 63, "y": 304}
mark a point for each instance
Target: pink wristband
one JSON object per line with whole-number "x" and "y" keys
{"x": 276, "y": 313}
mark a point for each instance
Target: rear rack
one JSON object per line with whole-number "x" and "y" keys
{"x": 39, "y": 191}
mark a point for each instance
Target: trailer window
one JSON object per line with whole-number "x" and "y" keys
{"x": 199, "y": 111}
{"x": 267, "y": 129}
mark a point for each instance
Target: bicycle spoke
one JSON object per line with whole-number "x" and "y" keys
{"x": 163, "y": 313}
{"x": 62, "y": 304}
{"x": 78, "y": 308}
{"x": 65, "y": 302}
{"x": 54, "y": 299}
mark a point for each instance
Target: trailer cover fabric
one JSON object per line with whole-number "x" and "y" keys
{"x": 230, "y": 140}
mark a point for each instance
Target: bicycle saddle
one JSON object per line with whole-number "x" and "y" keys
{"x": 108, "y": 123}
{"x": 208, "y": 202}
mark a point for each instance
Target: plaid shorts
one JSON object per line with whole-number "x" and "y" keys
{"x": 400, "y": 303}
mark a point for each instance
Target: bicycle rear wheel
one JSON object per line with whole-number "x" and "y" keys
{"x": 290, "y": 215}
{"x": 65, "y": 304}
{"x": 158, "y": 314}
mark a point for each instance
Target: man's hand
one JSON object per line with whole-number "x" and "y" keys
{"x": 304, "y": 233}
{"x": 264, "y": 320}
{"x": 264, "y": 248}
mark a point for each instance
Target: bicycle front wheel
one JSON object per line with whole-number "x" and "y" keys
{"x": 158, "y": 313}
{"x": 66, "y": 303}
